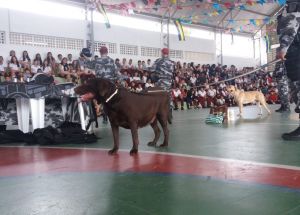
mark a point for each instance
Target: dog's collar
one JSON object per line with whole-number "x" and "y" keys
{"x": 112, "y": 95}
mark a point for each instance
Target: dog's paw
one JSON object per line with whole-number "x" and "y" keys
{"x": 113, "y": 151}
{"x": 151, "y": 143}
{"x": 133, "y": 152}
{"x": 163, "y": 145}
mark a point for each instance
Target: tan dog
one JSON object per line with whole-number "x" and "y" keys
{"x": 242, "y": 98}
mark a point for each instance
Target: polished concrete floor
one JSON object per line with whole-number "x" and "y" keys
{"x": 242, "y": 167}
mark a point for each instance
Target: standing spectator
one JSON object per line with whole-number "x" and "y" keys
{"x": 130, "y": 64}
{"x": 124, "y": 64}
{"x": 140, "y": 66}
{"x": 70, "y": 60}
{"x": 148, "y": 65}
{"x": 118, "y": 65}
{"x": 189, "y": 98}
{"x": 144, "y": 66}
{"x": 59, "y": 58}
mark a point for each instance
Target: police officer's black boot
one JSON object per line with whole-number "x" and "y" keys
{"x": 283, "y": 108}
{"x": 294, "y": 135}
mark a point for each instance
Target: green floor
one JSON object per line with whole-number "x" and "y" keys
{"x": 164, "y": 194}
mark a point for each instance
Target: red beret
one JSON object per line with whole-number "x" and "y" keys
{"x": 165, "y": 51}
{"x": 103, "y": 50}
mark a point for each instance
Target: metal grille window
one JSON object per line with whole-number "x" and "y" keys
{"x": 150, "y": 52}
{"x": 112, "y": 47}
{"x": 45, "y": 41}
{"x": 176, "y": 54}
{"x": 2, "y": 37}
{"x": 128, "y": 49}
{"x": 199, "y": 56}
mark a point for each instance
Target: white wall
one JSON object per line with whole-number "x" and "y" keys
{"x": 22, "y": 22}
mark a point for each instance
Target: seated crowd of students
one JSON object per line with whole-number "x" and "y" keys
{"x": 190, "y": 82}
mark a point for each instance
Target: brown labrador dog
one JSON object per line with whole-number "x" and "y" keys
{"x": 129, "y": 110}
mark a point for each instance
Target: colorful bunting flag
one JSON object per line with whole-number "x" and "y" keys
{"x": 101, "y": 9}
{"x": 180, "y": 30}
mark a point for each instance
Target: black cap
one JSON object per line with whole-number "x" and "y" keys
{"x": 86, "y": 52}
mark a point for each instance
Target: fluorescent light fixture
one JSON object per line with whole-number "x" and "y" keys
{"x": 45, "y": 8}
{"x": 60, "y": 10}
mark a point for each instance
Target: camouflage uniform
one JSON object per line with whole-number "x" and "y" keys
{"x": 104, "y": 68}
{"x": 282, "y": 86}
{"x": 289, "y": 38}
{"x": 164, "y": 69}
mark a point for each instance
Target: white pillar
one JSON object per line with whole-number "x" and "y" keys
{"x": 37, "y": 113}
{"x": 23, "y": 114}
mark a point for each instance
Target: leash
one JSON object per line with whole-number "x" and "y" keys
{"x": 229, "y": 79}
{"x": 242, "y": 75}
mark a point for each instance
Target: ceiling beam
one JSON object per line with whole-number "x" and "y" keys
{"x": 275, "y": 12}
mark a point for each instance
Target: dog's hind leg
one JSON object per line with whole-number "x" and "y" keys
{"x": 135, "y": 138}
{"x": 260, "y": 109}
{"x": 164, "y": 124}
{"x": 115, "y": 131}
{"x": 156, "y": 130}
{"x": 265, "y": 106}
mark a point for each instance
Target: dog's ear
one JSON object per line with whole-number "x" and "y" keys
{"x": 102, "y": 87}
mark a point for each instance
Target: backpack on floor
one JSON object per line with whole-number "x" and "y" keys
{"x": 214, "y": 119}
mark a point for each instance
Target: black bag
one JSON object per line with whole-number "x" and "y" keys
{"x": 11, "y": 136}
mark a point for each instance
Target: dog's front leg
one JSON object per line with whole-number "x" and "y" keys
{"x": 115, "y": 130}
{"x": 240, "y": 109}
{"x": 135, "y": 138}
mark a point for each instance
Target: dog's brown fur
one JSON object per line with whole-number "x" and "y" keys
{"x": 242, "y": 98}
{"x": 130, "y": 110}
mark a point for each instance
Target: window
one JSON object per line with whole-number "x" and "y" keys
{"x": 176, "y": 54}
{"x": 112, "y": 47}
{"x": 199, "y": 56}
{"x": 45, "y": 41}
{"x": 150, "y": 52}
{"x": 2, "y": 37}
{"x": 128, "y": 49}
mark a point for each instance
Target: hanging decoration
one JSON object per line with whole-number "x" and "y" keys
{"x": 99, "y": 6}
{"x": 268, "y": 46}
{"x": 180, "y": 30}
{"x": 209, "y": 9}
